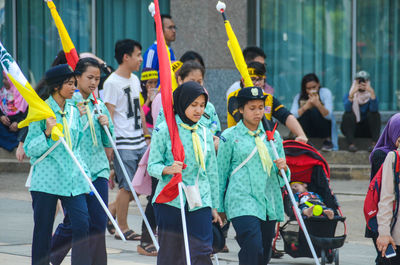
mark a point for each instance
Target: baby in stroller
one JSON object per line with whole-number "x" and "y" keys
{"x": 311, "y": 172}
{"x": 310, "y": 203}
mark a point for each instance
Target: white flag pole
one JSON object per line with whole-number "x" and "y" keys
{"x": 184, "y": 227}
{"x": 128, "y": 180}
{"x": 89, "y": 180}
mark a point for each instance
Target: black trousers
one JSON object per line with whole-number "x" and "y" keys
{"x": 254, "y": 237}
{"x": 368, "y": 128}
{"x": 170, "y": 235}
{"x": 315, "y": 125}
{"x": 149, "y": 212}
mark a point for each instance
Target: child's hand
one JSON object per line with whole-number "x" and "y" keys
{"x": 50, "y": 123}
{"x": 281, "y": 164}
{"x": 308, "y": 211}
{"x": 82, "y": 108}
{"x": 175, "y": 168}
{"x": 103, "y": 119}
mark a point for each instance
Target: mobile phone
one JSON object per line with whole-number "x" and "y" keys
{"x": 390, "y": 252}
{"x": 361, "y": 80}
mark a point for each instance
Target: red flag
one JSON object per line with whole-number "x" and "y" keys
{"x": 170, "y": 191}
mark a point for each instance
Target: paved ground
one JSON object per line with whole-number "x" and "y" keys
{"x": 16, "y": 223}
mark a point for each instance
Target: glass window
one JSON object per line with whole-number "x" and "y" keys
{"x": 38, "y": 41}
{"x": 307, "y": 36}
{"x": 378, "y": 47}
{"x": 6, "y": 25}
{"x": 124, "y": 19}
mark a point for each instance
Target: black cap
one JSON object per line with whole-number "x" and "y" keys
{"x": 250, "y": 93}
{"x": 58, "y": 74}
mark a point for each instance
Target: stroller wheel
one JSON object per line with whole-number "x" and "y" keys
{"x": 330, "y": 256}
{"x": 323, "y": 257}
{"x": 336, "y": 256}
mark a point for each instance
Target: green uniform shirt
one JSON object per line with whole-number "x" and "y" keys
{"x": 161, "y": 156}
{"x": 209, "y": 119}
{"x": 95, "y": 156}
{"x": 250, "y": 191}
{"x": 57, "y": 173}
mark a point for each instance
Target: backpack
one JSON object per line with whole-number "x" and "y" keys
{"x": 373, "y": 197}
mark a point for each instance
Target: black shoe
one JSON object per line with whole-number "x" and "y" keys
{"x": 327, "y": 146}
{"x": 371, "y": 147}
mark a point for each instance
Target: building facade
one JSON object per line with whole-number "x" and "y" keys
{"x": 333, "y": 39}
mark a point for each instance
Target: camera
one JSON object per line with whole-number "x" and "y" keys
{"x": 361, "y": 80}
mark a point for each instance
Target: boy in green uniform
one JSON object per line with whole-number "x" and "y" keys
{"x": 249, "y": 181}
{"x": 92, "y": 147}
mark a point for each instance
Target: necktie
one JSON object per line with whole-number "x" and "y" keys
{"x": 196, "y": 144}
{"x": 90, "y": 120}
{"x": 66, "y": 129}
{"x": 262, "y": 151}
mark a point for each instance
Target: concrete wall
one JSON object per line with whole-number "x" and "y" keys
{"x": 201, "y": 28}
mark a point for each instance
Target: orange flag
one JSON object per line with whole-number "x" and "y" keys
{"x": 68, "y": 46}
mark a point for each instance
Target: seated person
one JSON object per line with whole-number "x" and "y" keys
{"x": 12, "y": 110}
{"x": 361, "y": 117}
{"x": 308, "y": 200}
{"x": 273, "y": 108}
{"x": 313, "y": 107}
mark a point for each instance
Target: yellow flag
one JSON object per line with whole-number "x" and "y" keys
{"x": 38, "y": 109}
{"x": 237, "y": 55}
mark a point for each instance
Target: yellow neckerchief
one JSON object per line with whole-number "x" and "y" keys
{"x": 90, "y": 120}
{"x": 196, "y": 144}
{"x": 262, "y": 151}
{"x": 66, "y": 129}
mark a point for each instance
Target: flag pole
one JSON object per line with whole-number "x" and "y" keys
{"x": 92, "y": 188}
{"x": 185, "y": 235}
{"x": 270, "y": 139}
{"x": 154, "y": 10}
{"x": 114, "y": 147}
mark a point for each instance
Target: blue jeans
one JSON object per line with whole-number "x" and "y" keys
{"x": 44, "y": 207}
{"x": 170, "y": 235}
{"x": 61, "y": 242}
{"x": 254, "y": 237}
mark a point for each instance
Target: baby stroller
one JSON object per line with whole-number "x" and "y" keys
{"x": 307, "y": 165}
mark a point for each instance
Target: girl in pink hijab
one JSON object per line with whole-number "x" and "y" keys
{"x": 12, "y": 110}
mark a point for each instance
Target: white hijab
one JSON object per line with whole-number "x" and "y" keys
{"x": 360, "y": 98}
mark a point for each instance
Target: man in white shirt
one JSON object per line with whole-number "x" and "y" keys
{"x": 121, "y": 96}
{"x": 252, "y": 54}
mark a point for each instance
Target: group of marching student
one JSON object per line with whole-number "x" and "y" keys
{"x": 248, "y": 194}
{"x": 241, "y": 184}
{"x": 55, "y": 176}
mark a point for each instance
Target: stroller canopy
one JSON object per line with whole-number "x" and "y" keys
{"x": 301, "y": 159}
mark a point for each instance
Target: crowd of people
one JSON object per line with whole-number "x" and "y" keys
{"x": 229, "y": 176}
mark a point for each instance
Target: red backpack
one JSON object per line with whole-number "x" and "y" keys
{"x": 373, "y": 196}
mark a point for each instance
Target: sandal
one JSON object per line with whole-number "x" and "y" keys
{"x": 129, "y": 235}
{"x": 110, "y": 227}
{"x": 147, "y": 249}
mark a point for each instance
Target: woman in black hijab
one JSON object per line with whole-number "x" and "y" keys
{"x": 199, "y": 174}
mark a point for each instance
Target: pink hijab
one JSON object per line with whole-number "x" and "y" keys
{"x": 17, "y": 105}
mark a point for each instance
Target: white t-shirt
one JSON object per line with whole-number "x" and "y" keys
{"x": 124, "y": 94}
